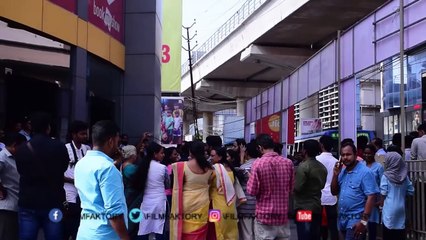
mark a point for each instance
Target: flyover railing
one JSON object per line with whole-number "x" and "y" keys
{"x": 248, "y": 8}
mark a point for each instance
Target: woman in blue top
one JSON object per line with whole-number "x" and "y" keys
{"x": 394, "y": 186}
{"x": 128, "y": 168}
{"x": 377, "y": 169}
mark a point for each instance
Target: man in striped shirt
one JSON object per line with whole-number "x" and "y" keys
{"x": 246, "y": 211}
{"x": 271, "y": 181}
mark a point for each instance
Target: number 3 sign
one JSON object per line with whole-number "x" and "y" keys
{"x": 166, "y": 54}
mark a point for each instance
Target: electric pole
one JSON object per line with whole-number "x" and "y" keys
{"x": 194, "y": 104}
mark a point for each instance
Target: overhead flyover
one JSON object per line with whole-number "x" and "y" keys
{"x": 237, "y": 62}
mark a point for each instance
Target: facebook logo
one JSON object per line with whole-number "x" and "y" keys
{"x": 55, "y": 215}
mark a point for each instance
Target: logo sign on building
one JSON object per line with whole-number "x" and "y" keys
{"x": 108, "y": 16}
{"x": 269, "y": 125}
{"x": 171, "y": 48}
{"x": 311, "y": 125}
{"x": 70, "y": 5}
{"x": 172, "y": 120}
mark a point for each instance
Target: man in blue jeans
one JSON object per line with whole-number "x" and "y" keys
{"x": 311, "y": 176}
{"x": 41, "y": 164}
{"x": 357, "y": 191}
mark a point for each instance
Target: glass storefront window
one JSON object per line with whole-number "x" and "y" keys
{"x": 415, "y": 65}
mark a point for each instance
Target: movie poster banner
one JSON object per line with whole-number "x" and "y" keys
{"x": 310, "y": 125}
{"x": 107, "y": 15}
{"x": 171, "y": 120}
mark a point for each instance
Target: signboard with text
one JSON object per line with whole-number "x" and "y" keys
{"x": 70, "y": 5}
{"x": 171, "y": 48}
{"x": 269, "y": 125}
{"x": 311, "y": 125}
{"x": 108, "y": 16}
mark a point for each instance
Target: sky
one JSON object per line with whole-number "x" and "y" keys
{"x": 209, "y": 16}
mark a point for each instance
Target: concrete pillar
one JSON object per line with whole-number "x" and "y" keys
{"x": 63, "y": 110}
{"x": 142, "y": 80}
{"x": 347, "y": 98}
{"x": 207, "y": 124}
{"x": 241, "y": 107}
{"x": 79, "y": 104}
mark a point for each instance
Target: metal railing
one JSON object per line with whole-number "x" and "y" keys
{"x": 248, "y": 8}
{"x": 416, "y": 211}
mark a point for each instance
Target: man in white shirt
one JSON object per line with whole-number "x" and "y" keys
{"x": 328, "y": 201}
{"x": 76, "y": 151}
{"x": 418, "y": 147}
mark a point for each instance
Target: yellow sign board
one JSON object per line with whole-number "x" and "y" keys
{"x": 171, "y": 48}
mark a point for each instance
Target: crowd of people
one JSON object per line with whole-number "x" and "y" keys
{"x": 197, "y": 190}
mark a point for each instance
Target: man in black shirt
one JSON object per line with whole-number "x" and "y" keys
{"x": 41, "y": 164}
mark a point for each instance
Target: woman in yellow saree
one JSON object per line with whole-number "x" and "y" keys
{"x": 223, "y": 197}
{"x": 190, "y": 200}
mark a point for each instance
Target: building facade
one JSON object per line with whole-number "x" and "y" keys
{"x": 82, "y": 60}
{"x": 356, "y": 79}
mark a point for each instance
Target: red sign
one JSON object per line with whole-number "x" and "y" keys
{"x": 290, "y": 125}
{"x": 269, "y": 125}
{"x": 108, "y": 16}
{"x": 70, "y": 5}
{"x": 304, "y": 216}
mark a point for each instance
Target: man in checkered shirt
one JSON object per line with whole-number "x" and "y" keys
{"x": 271, "y": 181}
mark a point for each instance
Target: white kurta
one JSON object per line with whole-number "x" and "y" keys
{"x": 154, "y": 202}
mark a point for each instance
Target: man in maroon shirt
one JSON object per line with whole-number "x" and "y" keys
{"x": 271, "y": 181}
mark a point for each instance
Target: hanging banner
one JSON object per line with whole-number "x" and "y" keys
{"x": 172, "y": 45}
{"x": 107, "y": 15}
{"x": 308, "y": 126}
{"x": 171, "y": 120}
{"x": 269, "y": 125}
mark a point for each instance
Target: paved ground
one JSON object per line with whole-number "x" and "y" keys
{"x": 293, "y": 235}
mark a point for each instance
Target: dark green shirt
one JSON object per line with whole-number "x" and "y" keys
{"x": 311, "y": 176}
